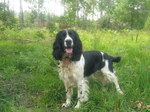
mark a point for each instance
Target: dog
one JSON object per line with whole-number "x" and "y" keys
{"x": 75, "y": 66}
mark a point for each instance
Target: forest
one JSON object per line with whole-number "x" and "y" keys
{"x": 29, "y": 80}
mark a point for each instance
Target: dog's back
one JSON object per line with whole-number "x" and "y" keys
{"x": 95, "y": 60}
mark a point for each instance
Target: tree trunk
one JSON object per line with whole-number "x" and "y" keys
{"x": 8, "y": 5}
{"x": 132, "y": 18}
{"x": 21, "y": 14}
{"x": 77, "y": 12}
{"x": 13, "y": 10}
{"x": 4, "y": 10}
{"x": 4, "y": 4}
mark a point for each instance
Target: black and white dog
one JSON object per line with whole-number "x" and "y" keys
{"x": 75, "y": 66}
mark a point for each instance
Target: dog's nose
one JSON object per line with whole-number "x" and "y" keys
{"x": 68, "y": 42}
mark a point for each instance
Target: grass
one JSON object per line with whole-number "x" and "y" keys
{"x": 29, "y": 77}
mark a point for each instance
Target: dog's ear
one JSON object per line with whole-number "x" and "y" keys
{"x": 57, "y": 47}
{"x": 77, "y": 48}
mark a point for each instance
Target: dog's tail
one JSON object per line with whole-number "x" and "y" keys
{"x": 116, "y": 59}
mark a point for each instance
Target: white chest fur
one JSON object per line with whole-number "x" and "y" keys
{"x": 71, "y": 72}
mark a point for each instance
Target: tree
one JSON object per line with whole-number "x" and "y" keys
{"x": 71, "y": 10}
{"x": 6, "y": 16}
{"x": 131, "y": 13}
{"x": 37, "y": 9}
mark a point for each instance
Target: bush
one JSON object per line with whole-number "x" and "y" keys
{"x": 26, "y": 33}
{"x": 53, "y": 28}
{"x": 147, "y": 24}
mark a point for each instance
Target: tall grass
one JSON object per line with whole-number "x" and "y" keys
{"x": 29, "y": 75}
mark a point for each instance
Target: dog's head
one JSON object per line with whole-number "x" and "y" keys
{"x": 67, "y": 44}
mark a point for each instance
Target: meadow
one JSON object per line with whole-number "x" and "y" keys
{"x": 29, "y": 79}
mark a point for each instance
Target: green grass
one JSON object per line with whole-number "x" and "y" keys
{"x": 29, "y": 79}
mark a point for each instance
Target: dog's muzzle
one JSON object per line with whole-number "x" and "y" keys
{"x": 68, "y": 43}
{"x": 69, "y": 46}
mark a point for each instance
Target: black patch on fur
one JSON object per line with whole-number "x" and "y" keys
{"x": 77, "y": 47}
{"x": 110, "y": 64}
{"x": 94, "y": 61}
{"x": 80, "y": 92}
{"x": 116, "y": 59}
{"x": 58, "y": 50}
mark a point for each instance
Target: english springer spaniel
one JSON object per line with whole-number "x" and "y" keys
{"x": 75, "y": 66}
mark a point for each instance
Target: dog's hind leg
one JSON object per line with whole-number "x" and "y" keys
{"x": 115, "y": 81}
{"x": 111, "y": 77}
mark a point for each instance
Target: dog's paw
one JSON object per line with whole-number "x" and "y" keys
{"x": 65, "y": 105}
{"x": 77, "y": 106}
{"x": 120, "y": 92}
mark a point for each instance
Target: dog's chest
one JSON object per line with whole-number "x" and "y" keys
{"x": 70, "y": 72}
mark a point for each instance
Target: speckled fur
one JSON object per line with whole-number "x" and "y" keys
{"x": 72, "y": 74}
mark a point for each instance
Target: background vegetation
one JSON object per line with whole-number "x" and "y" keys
{"x": 29, "y": 79}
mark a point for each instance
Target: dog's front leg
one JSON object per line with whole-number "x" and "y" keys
{"x": 82, "y": 92}
{"x": 69, "y": 92}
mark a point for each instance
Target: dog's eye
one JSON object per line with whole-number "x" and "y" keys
{"x": 70, "y": 34}
{"x": 64, "y": 34}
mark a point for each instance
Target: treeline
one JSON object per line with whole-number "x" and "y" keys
{"x": 102, "y": 14}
